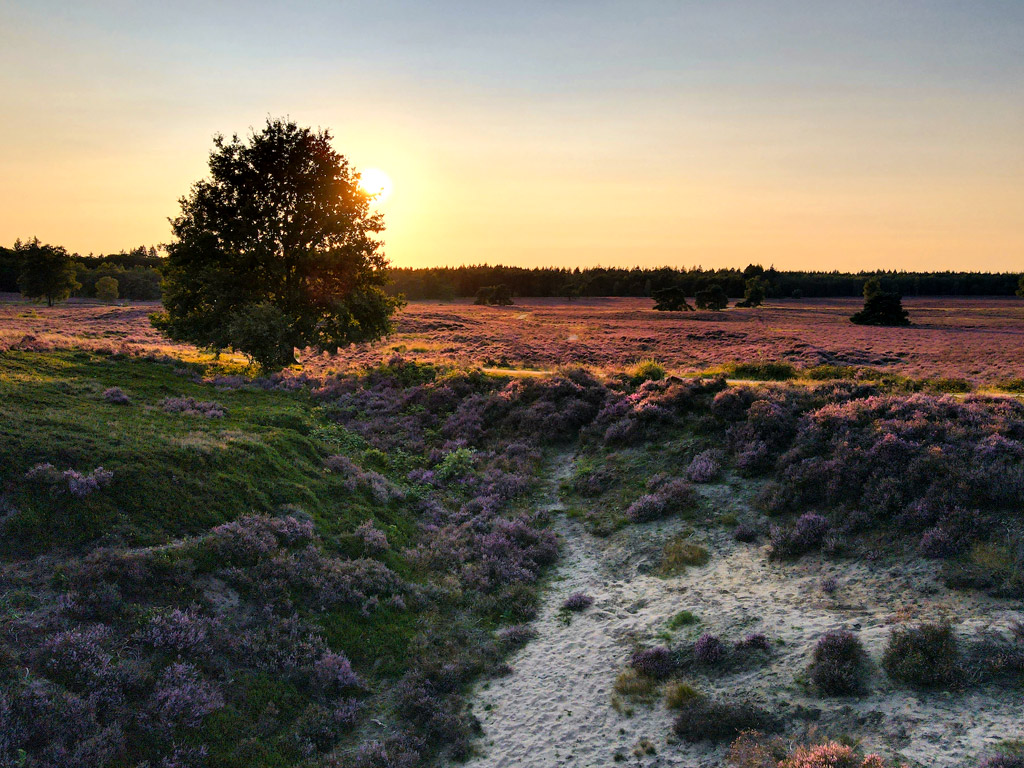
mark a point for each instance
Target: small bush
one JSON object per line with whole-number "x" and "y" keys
{"x": 577, "y": 601}
{"x": 705, "y": 467}
{"x": 116, "y": 395}
{"x": 653, "y": 662}
{"x": 708, "y": 720}
{"x": 708, "y": 649}
{"x": 925, "y": 656}
{"x": 807, "y": 533}
{"x": 839, "y": 664}
{"x": 745, "y": 533}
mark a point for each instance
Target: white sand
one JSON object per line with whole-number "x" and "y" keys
{"x": 555, "y": 708}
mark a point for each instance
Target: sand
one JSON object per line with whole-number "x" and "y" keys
{"x": 555, "y": 708}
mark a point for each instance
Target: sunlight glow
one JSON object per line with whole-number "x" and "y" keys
{"x": 376, "y": 183}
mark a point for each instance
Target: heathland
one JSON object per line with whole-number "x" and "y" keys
{"x": 558, "y": 533}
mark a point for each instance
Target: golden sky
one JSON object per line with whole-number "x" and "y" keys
{"x": 826, "y": 135}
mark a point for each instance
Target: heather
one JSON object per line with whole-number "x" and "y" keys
{"x": 262, "y": 564}
{"x": 975, "y": 340}
{"x": 203, "y": 567}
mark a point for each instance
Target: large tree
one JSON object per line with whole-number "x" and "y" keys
{"x": 46, "y": 271}
{"x": 277, "y": 250}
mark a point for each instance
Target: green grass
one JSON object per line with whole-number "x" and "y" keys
{"x": 173, "y": 474}
{"x": 682, "y": 619}
{"x": 764, "y": 371}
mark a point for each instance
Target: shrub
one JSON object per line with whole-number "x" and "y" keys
{"x": 116, "y": 395}
{"x": 745, "y": 533}
{"x": 672, "y": 497}
{"x": 333, "y": 671}
{"x": 182, "y": 697}
{"x": 839, "y": 664}
{"x": 517, "y": 635}
{"x": 925, "y": 656}
{"x": 1003, "y": 761}
{"x": 577, "y": 601}
{"x": 807, "y": 533}
{"x": 708, "y": 649}
{"x": 705, "y": 466}
{"x": 653, "y": 662}
{"x": 705, "y": 719}
{"x": 106, "y": 289}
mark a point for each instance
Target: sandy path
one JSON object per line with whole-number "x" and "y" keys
{"x": 555, "y": 708}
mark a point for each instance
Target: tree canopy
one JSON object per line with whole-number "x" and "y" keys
{"x": 46, "y": 271}
{"x": 276, "y": 250}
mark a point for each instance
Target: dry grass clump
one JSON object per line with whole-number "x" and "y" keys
{"x": 679, "y": 693}
{"x": 679, "y": 554}
{"x": 634, "y": 685}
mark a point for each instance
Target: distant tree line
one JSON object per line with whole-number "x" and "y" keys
{"x": 467, "y": 281}
{"x": 136, "y": 272}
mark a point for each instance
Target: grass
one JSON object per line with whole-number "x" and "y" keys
{"x": 173, "y": 474}
{"x": 176, "y": 476}
{"x": 679, "y": 554}
{"x": 682, "y": 619}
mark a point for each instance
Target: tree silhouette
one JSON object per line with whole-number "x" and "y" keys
{"x": 276, "y": 250}
{"x": 882, "y": 305}
{"x": 712, "y": 297}
{"x": 671, "y": 299}
{"x": 499, "y": 295}
{"x": 754, "y": 292}
{"x": 47, "y": 271}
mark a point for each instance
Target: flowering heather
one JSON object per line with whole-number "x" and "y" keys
{"x": 116, "y": 395}
{"x": 189, "y": 406}
{"x": 838, "y": 666}
{"x": 705, "y": 466}
{"x": 1003, "y": 761}
{"x": 654, "y": 662}
{"x": 516, "y": 635}
{"x": 334, "y": 672}
{"x": 183, "y": 698}
{"x": 177, "y": 630}
{"x": 708, "y": 649}
{"x": 952, "y": 337}
{"x": 356, "y": 478}
{"x": 374, "y": 540}
{"x": 78, "y": 484}
{"x": 671, "y": 497}
{"x": 577, "y": 601}
{"x": 806, "y": 534}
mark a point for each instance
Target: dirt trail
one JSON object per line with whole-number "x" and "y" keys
{"x": 555, "y": 708}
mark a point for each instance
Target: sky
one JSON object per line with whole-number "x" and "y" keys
{"x": 820, "y": 134}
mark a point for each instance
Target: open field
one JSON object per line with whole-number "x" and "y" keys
{"x": 418, "y": 563}
{"x": 978, "y": 339}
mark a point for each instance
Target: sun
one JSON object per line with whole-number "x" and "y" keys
{"x": 375, "y": 183}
